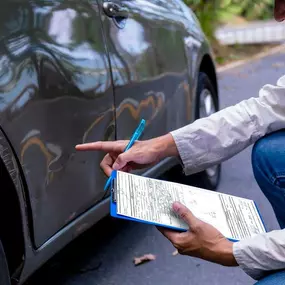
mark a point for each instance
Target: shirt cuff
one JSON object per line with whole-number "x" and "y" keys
{"x": 186, "y": 140}
{"x": 246, "y": 263}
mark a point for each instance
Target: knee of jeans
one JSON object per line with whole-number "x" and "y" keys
{"x": 266, "y": 157}
{"x": 262, "y": 155}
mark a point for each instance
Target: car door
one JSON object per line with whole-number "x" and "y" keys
{"x": 145, "y": 40}
{"x": 60, "y": 94}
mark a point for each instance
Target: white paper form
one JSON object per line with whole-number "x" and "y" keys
{"x": 151, "y": 200}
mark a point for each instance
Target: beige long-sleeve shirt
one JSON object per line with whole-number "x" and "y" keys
{"x": 212, "y": 140}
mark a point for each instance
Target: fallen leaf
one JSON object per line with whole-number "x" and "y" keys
{"x": 175, "y": 252}
{"x": 144, "y": 258}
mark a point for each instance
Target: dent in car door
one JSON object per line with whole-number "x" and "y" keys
{"x": 73, "y": 104}
{"x": 149, "y": 68}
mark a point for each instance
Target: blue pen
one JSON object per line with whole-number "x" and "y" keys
{"x": 138, "y": 132}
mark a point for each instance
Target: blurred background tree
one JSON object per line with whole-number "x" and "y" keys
{"x": 212, "y": 13}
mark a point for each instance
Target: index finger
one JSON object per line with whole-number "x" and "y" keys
{"x": 115, "y": 146}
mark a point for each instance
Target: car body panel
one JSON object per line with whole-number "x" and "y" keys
{"x": 148, "y": 78}
{"x": 69, "y": 75}
{"x": 62, "y": 96}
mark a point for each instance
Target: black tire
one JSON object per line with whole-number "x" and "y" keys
{"x": 4, "y": 272}
{"x": 206, "y": 179}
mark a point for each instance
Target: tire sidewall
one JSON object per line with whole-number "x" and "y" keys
{"x": 204, "y": 82}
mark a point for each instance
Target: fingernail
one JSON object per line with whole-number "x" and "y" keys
{"x": 176, "y": 206}
{"x": 115, "y": 166}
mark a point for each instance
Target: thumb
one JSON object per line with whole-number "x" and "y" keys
{"x": 185, "y": 214}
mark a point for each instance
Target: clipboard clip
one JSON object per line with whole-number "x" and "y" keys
{"x": 113, "y": 187}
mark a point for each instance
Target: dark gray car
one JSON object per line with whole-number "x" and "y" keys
{"x": 78, "y": 71}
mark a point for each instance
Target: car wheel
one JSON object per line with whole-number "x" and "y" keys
{"x": 4, "y": 273}
{"x": 207, "y": 104}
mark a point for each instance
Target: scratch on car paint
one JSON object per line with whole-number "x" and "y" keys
{"x": 97, "y": 120}
{"x": 38, "y": 142}
{"x": 35, "y": 141}
{"x": 136, "y": 107}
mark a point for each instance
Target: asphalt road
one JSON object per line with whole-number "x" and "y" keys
{"x": 104, "y": 255}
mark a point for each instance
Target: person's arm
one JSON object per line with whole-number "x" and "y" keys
{"x": 262, "y": 254}
{"x": 212, "y": 140}
{"x": 205, "y": 142}
{"x": 257, "y": 256}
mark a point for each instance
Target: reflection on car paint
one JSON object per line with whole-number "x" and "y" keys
{"x": 55, "y": 78}
{"x": 154, "y": 100}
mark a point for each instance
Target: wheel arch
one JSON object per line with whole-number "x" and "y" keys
{"x": 12, "y": 209}
{"x": 207, "y": 66}
{"x": 11, "y": 233}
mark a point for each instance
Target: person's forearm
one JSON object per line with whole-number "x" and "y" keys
{"x": 166, "y": 146}
{"x": 225, "y": 255}
{"x": 210, "y": 141}
{"x": 260, "y": 255}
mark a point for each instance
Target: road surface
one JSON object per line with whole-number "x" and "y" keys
{"x": 103, "y": 256}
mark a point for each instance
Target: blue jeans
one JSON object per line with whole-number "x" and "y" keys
{"x": 274, "y": 279}
{"x": 268, "y": 162}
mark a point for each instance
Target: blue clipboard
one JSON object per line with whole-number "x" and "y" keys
{"x": 113, "y": 212}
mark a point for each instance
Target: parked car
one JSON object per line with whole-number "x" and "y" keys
{"x": 80, "y": 71}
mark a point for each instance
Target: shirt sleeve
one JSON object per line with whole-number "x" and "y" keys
{"x": 210, "y": 141}
{"x": 263, "y": 254}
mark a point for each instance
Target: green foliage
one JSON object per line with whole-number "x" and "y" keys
{"x": 207, "y": 13}
{"x": 213, "y": 12}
